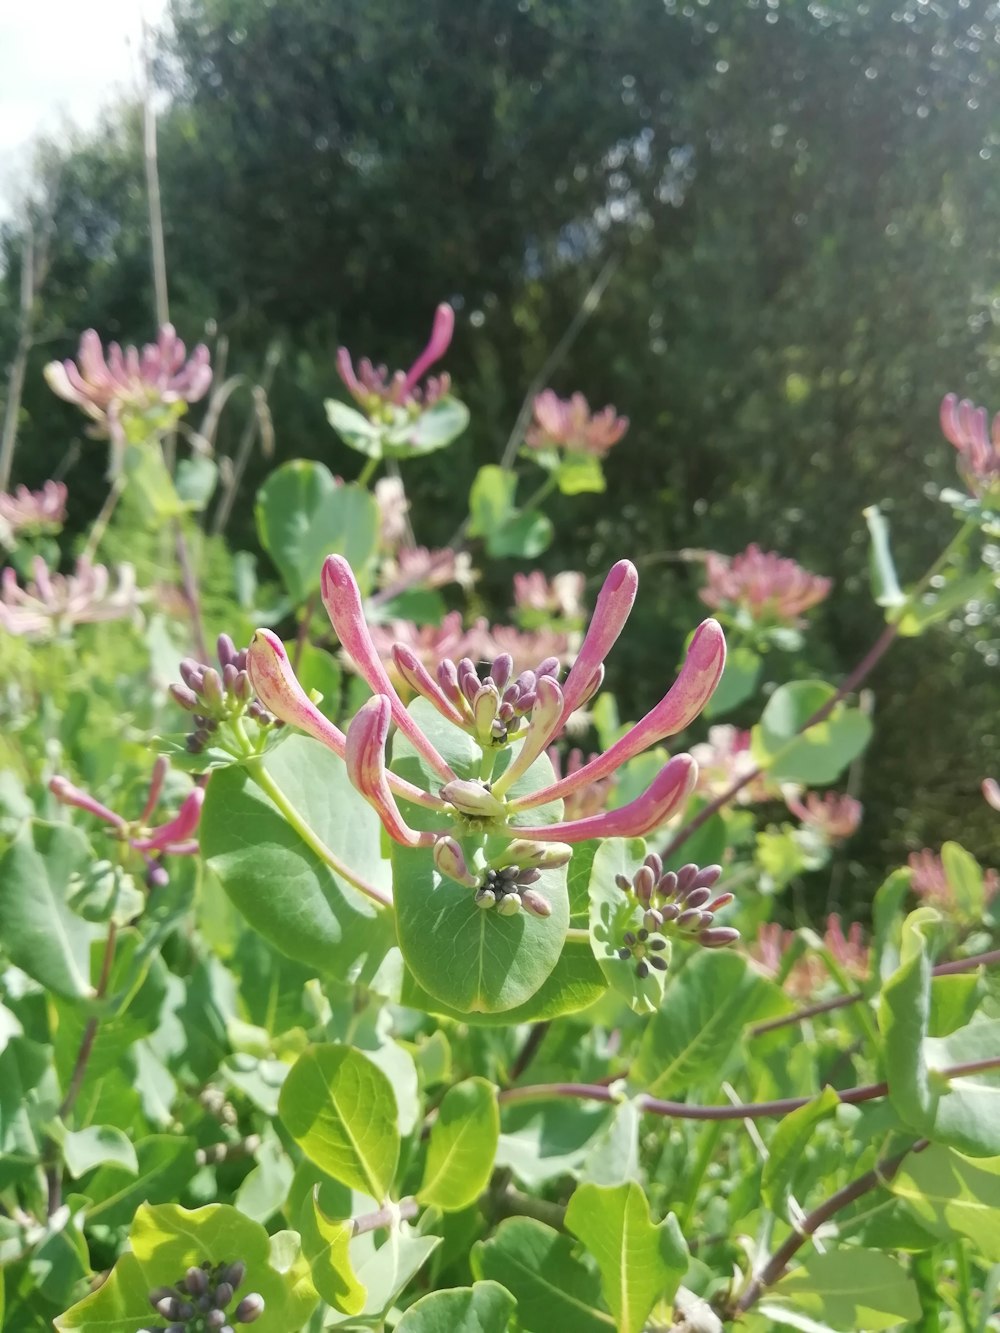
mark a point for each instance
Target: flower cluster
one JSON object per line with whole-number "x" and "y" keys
{"x": 215, "y": 697}
{"x": 393, "y": 507}
{"x": 567, "y": 423}
{"x": 834, "y": 816}
{"x": 672, "y": 902}
{"x": 804, "y": 976}
{"x": 198, "y": 1302}
{"x": 452, "y": 640}
{"x": 128, "y": 380}
{"x": 765, "y": 588}
{"x": 53, "y": 603}
{"x": 977, "y": 440}
{"x": 540, "y": 704}
{"x": 537, "y": 600}
{"x": 32, "y": 512}
{"x": 380, "y": 395}
{"x": 725, "y": 759}
{"x": 929, "y": 881}
{"x": 174, "y": 838}
{"x": 416, "y": 566}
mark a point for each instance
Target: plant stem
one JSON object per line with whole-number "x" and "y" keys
{"x": 880, "y": 1174}
{"x": 303, "y": 632}
{"x": 404, "y": 1210}
{"x": 595, "y": 1092}
{"x": 367, "y": 472}
{"x": 843, "y": 1001}
{"x": 315, "y": 844}
{"x": 104, "y": 517}
{"x": 190, "y": 585}
{"x": 529, "y": 1050}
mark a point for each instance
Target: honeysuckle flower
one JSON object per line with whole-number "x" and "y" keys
{"x": 538, "y": 599}
{"x": 483, "y": 805}
{"x": 416, "y": 566}
{"x": 431, "y": 643}
{"x": 393, "y": 507}
{"x": 53, "y": 603}
{"x": 375, "y": 390}
{"x": 765, "y": 587}
{"x": 808, "y": 973}
{"x": 174, "y": 838}
{"x": 104, "y": 387}
{"x": 23, "y": 511}
{"x": 677, "y": 903}
{"x": 724, "y": 759}
{"x": 569, "y": 424}
{"x": 834, "y": 816}
{"x": 929, "y": 881}
{"x": 977, "y": 440}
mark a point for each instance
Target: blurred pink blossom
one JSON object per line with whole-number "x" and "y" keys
{"x": 569, "y": 424}
{"x": 103, "y": 387}
{"x": 977, "y": 440}
{"x": 835, "y": 816}
{"x": 808, "y": 974}
{"x": 725, "y": 758}
{"x": 767, "y": 587}
{"x": 393, "y": 507}
{"x": 32, "y": 511}
{"x": 53, "y": 603}
{"x": 417, "y": 567}
{"x": 929, "y": 881}
{"x": 561, "y": 596}
{"x": 991, "y": 792}
{"x": 372, "y": 386}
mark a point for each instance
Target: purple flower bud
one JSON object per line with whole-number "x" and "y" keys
{"x": 195, "y": 1280}
{"x": 718, "y": 937}
{"x": 534, "y": 903}
{"x": 697, "y": 897}
{"x": 211, "y": 688}
{"x": 686, "y": 877}
{"x": 472, "y": 799}
{"x": 249, "y": 1309}
{"x": 192, "y": 673}
{"x": 234, "y": 1274}
{"x": 624, "y": 883}
{"x": 723, "y": 900}
{"x": 447, "y": 675}
{"x": 223, "y": 1294}
{"x": 168, "y": 1306}
{"x": 707, "y": 876}
{"x": 668, "y": 884}
{"x": 655, "y": 864}
{"x": 501, "y": 670}
{"x": 689, "y": 920}
{"x": 215, "y": 1319}
{"x": 548, "y": 667}
{"x": 225, "y": 650}
{"x": 450, "y": 861}
{"x": 529, "y": 876}
{"x": 229, "y": 677}
{"x": 187, "y": 698}
{"x": 643, "y": 883}
{"x": 159, "y": 1294}
{"x": 652, "y": 920}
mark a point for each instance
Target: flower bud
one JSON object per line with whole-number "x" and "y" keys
{"x": 510, "y": 904}
{"x": 186, "y": 697}
{"x": 533, "y": 902}
{"x": 450, "y": 861}
{"x": 543, "y": 855}
{"x": 195, "y": 1279}
{"x": 223, "y": 1294}
{"x": 211, "y": 688}
{"x": 472, "y": 799}
{"x": 234, "y": 1273}
{"x": 485, "y": 898}
{"x": 249, "y": 1309}
{"x": 718, "y": 937}
{"x": 642, "y": 884}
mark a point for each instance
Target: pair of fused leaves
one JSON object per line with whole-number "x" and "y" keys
{"x": 410, "y": 437}
{"x": 340, "y": 1109}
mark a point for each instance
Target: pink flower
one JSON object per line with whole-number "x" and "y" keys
{"x": 835, "y": 816}
{"x": 764, "y": 586}
{"x": 724, "y": 759}
{"x": 417, "y": 567}
{"x": 161, "y": 374}
{"x": 968, "y": 428}
{"x": 174, "y": 838}
{"x": 538, "y": 599}
{"x": 32, "y": 511}
{"x": 809, "y": 973}
{"x": 393, "y": 507}
{"x": 929, "y": 881}
{"x": 373, "y": 388}
{"x": 568, "y": 424}
{"x": 54, "y": 603}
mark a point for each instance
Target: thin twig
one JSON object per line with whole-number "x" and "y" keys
{"x": 880, "y": 1174}
{"x": 529, "y": 1050}
{"x": 256, "y": 423}
{"x": 189, "y": 584}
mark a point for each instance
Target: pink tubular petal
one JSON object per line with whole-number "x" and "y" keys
{"x": 544, "y": 719}
{"x": 991, "y": 792}
{"x": 275, "y": 685}
{"x": 179, "y": 830}
{"x": 345, "y": 369}
{"x": 416, "y": 675}
{"x": 440, "y": 340}
{"x": 65, "y": 792}
{"x": 155, "y": 787}
{"x": 665, "y": 794}
{"x": 342, "y": 599}
{"x": 695, "y": 684}
{"x": 365, "y": 758}
{"x": 614, "y": 603}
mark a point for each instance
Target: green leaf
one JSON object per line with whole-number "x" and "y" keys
{"x": 303, "y": 515}
{"x": 486, "y": 1307}
{"x": 433, "y": 429}
{"x": 326, "y": 1245}
{"x": 580, "y": 474}
{"x": 281, "y": 885}
{"x": 966, "y": 1108}
{"x": 544, "y": 1141}
{"x": 951, "y": 1194}
{"x": 553, "y": 1289}
{"x": 150, "y": 485}
{"x": 462, "y": 1146}
{"x": 384, "y": 1268}
{"x": 41, "y": 935}
{"x": 817, "y": 756}
{"x": 937, "y": 603}
{"x": 612, "y": 913}
{"x": 965, "y": 877}
{"x": 739, "y": 680}
{"x": 885, "y": 585}
{"x": 641, "y": 1263}
{"x": 340, "y": 1109}
{"x": 96, "y": 1144}
{"x": 166, "y": 1164}
{"x": 525, "y": 535}
{"x": 355, "y": 430}
{"x": 848, "y": 1290}
{"x": 700, "y": 1024}
{"x": 491, "y": 500}
{"x": 196, "y": 480}
{"x": 787, "y": 1146}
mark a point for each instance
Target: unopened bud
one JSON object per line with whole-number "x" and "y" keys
{"x": 643, "y": 883}
{"x": 159, "y": 1294}
{"x": 533, "y": 902}
{"x": 225, "y": 650}
{"x": 510, "y": 904}
{"x": 211, "y": 688}
{"x": 501, "y": 670}
{"x": 624, "y": 883}
{"x": 718, "y": 937}
{"x": 472, "y": 799}
{"x": 223, "y": 1294}
{"x": 485, "y": 898}
{"x": 697, "y": 897}
{"x": 192, "y": 673}
{"x": 195, "y": 1280}
{"x": 450, "y": 861}
{"x": 542, "y": 855}
{"x": 249, "y": 1309}
{"x": 187, "y": 698}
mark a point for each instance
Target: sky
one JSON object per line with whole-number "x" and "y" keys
{"x": 61, "y": 62}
